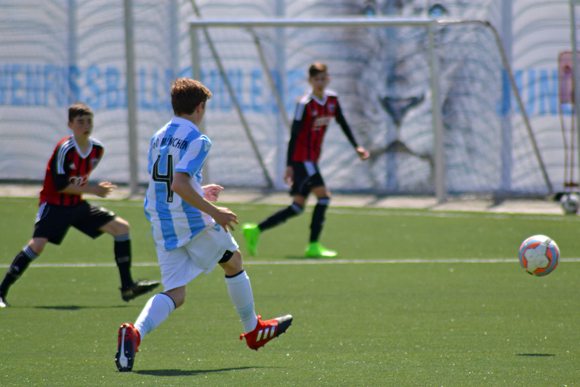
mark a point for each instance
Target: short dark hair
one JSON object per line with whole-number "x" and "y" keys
{"x": 317, "y": 68}
{"x": 79, "y": 109}
{"x": 187, "y": 94}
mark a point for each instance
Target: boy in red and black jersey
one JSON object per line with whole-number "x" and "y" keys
{"x": 62, "y": 206}
{"x": 67, "y": 166}
{"x": 313, "y": 114}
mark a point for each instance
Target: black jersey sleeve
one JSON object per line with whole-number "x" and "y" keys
{"x": 60, "y": 169}
{"x": 344, "y": 125}
{"x": 297, "y": 125}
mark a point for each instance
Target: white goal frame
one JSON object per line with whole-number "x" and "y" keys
{"x": 576, "y": 72}
{"x": 430, "y": 26}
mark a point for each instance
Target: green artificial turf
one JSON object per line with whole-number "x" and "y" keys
{"x": 355, "y": 324}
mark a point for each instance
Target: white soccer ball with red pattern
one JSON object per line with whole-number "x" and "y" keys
{"x": 539, "y": 255}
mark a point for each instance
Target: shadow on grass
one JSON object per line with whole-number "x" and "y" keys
{"x": 536, "y": 354}
{"x": 190, "y": 372}
{"x": 78, "y": 307}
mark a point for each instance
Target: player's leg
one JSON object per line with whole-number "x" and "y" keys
{"x": 153, "y": 314}
{"x": 20, "y": 263}
{"x": 315, "y": 249}
{"x": 176, "y": 272}
{"x": 256, "y": 331}
{"x": 157, "y": 309}
{"x": 302, "y": 181}
{"x": 252, "y": 231}
{"x": 296, "y": 208}
{"x": 119, "y": 229}
{"x": 299, "y": 192}
{"x": 52, "y": 224}
{"x": 94, "y": 221}
{"x": 240, "y": 289}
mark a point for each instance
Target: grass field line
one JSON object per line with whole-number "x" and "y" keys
{"x": 314, "y": 262}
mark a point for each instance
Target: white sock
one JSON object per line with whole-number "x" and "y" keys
{"x": 240, "y": 291}
{"x": 154, "y": 313}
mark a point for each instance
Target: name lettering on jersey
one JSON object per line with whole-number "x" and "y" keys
{"x": 171, "y": 141}
{"x": 322, "y": 121}
{"x": 79, "y": 180}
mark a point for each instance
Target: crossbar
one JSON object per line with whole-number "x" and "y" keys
{"x": 320, "y": 23}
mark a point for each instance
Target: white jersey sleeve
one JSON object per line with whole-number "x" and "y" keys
{"x": 194, "y": 158}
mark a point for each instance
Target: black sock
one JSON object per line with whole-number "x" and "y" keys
{"x": 18, "y": 266}
{"x": 318, "y": 218}
{"x": 280, "y": 216}
{"x": 123, "y": 259}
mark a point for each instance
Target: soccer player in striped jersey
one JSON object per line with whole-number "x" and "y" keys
{"x": 313, "y": 114}
{"x": 191, "y": 233}
{"x": 62, "y": 206}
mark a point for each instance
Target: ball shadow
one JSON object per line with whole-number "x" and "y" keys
{"x": 190, "y": 372}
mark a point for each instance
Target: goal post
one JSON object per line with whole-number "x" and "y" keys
{"x": 575, "y": 68}
{"x": 437, "y": 158}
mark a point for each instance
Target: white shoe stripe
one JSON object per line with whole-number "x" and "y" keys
{"x": 272, "y": 331}
{"x": 122, "y": 358}
{"x": 266, "y": 333}
{"x": 259, "y": 336}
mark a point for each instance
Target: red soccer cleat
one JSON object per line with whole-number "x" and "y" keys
{"x": 266, "y": 331}
{"x": 127, "y": 347}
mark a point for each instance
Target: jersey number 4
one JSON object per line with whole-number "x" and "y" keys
{"x": 167, "y": 178}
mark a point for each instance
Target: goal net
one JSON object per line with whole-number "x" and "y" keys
{"x": 383, "y": 78}
{"x": 54, "y": 53}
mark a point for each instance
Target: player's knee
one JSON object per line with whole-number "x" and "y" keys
{"x": 179, "y": 300}
{"x": 299, "y": 200}
{"x": 298, "y": 209}
{"x": 234, "y": 265}
{"x": 122, "y": 226}
{"x": 116, "y": 227}
{"x": 37, "y": 245}
{"x": 177, "y": 295}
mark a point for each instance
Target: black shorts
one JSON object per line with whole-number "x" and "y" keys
{"x": 53, "y": 221}
{"x": 306, "y": 176}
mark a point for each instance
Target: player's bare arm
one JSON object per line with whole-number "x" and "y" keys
{"x": 182, "y": 186}
{"x": 102, "y": 190}
{"x": 211, "y": 192}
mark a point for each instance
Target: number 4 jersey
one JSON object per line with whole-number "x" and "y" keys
{"x": 177, "y": 147}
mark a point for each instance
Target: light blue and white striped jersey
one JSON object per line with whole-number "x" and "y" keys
{"x": 177, "y": 147}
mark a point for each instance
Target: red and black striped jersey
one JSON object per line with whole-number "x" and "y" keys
{"x": 68, "y": 166}
{"x": 309, "y": 126}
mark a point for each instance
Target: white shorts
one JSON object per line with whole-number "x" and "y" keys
{"x": 199, "y": 255}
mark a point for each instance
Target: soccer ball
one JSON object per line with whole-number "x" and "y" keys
{"x": 570, "y": 203}
{"x": 539, "y": 255}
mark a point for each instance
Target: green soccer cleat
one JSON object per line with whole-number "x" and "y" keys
{"x": 316, "y": 250}
{"x": 251, "y": 234}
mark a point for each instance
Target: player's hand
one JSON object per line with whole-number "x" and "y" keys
{"x": 103, "y": 189}
{"x": 289, "y": 175}
{"x": 211, "y": 192}
{"x": 362, "y": 153}
{"x": 225, "y": 218}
